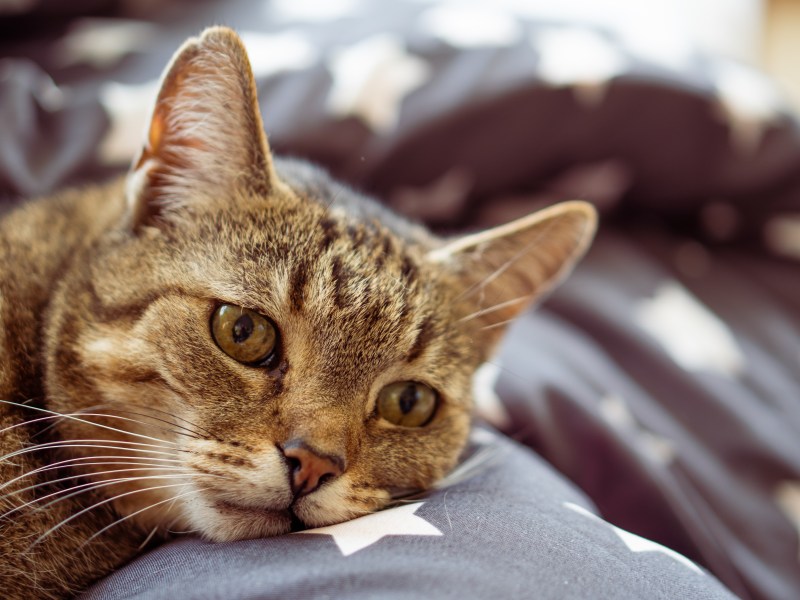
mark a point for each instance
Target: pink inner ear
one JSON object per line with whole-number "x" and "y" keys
{"x": 205, "y": 137}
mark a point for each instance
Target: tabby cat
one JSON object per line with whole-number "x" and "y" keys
{"x": 233, "y": 344}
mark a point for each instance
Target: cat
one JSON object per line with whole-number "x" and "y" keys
{"x": 234, "y": 344}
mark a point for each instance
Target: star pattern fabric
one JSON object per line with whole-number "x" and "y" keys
{"x": 787, "y": 496}
{"x": 128, "y": 107}
{"x": 693, "y": 336}
{"x": 271, "y": 54}
{"x": 748, "y": 102}
{"x": 102, "y": 43}
{"x": 655, "y": 447}
{"x": 371, "y": 78}
{"x": 355, "y": 535}
{"x": 500, "y": 532}
{"x": 635, "y": 543}
{"x": 578, "y": 58}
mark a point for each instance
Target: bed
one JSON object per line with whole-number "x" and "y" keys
{"x": 637, "y": 435}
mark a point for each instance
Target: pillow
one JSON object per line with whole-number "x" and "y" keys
{"x": 512, "y": 529}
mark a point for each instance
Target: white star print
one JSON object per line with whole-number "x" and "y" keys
{"x": 128, "y": 107}
{"x": 787, "y": 495}
{"x": 634, "y": 542}
{"x": 748, "y": 102}
{"x": 102, "y": 43}
{"x": 487, "y": 403}
{"x": 371, "y": 78}
{"x": 309, "y": 11}
{"x": 782, "y": 235}
{"x": 655, "y": 447}
{"x": 273, "y": 53}
{"x": 471, "y": 26}
{"x": 691, "y": 334}
{"x": 578, "y": 58}
{"x": 355, "y": 535}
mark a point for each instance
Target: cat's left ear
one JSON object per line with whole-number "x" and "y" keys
{"x": 205, "y": 137}
{"x": 506, "y": 269}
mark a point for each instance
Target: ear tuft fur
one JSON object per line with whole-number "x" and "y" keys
{"x": 508, "y": 268}
{"x": 205, "y": 136}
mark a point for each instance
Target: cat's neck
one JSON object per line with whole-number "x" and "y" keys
{"x": 37, "y": 243}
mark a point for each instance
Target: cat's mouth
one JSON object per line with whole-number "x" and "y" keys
{"x": 226, "y": 507}
{"x": 232, "y": 508}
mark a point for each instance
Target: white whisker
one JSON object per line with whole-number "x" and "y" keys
{"x": 82, "y": 488}
{"x": 72, "y": 417}
{"x": 191, "y": 434}
{"x": 500, "y": 324}
{"x": 70, "y": 444}
{"x": 505, "y": 266}
{"x": 128, "y": 460}
{"x": 141, "y": 510}
{"x": 149, "y": 537}
{"x": 95, "y": 473}
{"x": 486, "y": 311}
{"x": 98, "y": 504}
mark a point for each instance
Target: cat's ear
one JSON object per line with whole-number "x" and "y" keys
{"x": 205, "y": 137}
{"x": 506, "y": 269}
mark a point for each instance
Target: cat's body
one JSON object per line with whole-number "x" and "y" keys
{"x": 36, "y": 244}
{"x": 234, "y": 345}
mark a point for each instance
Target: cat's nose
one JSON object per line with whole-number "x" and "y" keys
{"x": 308, "y": 468}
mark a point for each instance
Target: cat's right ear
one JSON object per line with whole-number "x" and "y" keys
{"x": 205, "y": 138}
{"x": 506, "y": 269}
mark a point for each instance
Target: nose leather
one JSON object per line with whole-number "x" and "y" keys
{"x": 309, "y": 468}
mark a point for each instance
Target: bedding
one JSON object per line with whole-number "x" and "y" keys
{"x": 661, "y": 380}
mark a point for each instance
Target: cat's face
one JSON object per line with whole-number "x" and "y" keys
{"x": 274, "y": 356}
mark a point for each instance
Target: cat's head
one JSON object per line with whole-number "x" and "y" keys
{"x": 278, "y": 348}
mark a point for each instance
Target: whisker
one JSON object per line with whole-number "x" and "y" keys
{"x": 183, "y": 532}
{"x": 505, "y": 266}
{"x": 72, "y": 462}
{"x": 137, "y": 421}
{"x": 82, "y": 488}
{"x": 486, "y": 311}
{"x": 141, "y": 510}
{"x": 194, "y": 434}
{"x": 30, "y": 422}
{"x": 68, "y": 416}
{"x": 57, "y": 418}
{"x": 70, "y": 444}
{"x": 98, "y": 504}
{"x": 94, "y": 473}
{"x": 500, "y": 324}
{"x": 147, "y": 539}
{"x": 479, "y": 462}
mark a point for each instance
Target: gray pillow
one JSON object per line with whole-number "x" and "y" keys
{"x": 512, "y": 529}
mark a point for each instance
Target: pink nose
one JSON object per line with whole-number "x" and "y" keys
{"x": 309, "y": 469}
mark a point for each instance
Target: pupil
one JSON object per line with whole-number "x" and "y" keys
{"x": 242, "y": 328}
{"x": 408, "y": 398}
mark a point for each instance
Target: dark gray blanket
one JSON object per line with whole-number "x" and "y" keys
{"x": 513, "y": 530}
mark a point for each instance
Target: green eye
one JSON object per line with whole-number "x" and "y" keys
{"x": 243, "y": 334}
{"x": 407, "y": 403}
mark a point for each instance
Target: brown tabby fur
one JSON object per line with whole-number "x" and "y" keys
{"x": 105, "y": 299}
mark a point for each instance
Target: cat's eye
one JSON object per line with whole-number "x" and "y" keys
{"x": 243, "y": 334}
{"x": 407, "y": 403}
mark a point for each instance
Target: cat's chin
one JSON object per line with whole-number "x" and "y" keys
{"x": 225, "y": 521}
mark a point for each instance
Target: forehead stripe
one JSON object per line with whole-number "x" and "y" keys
{"x": 424, "y": 336}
